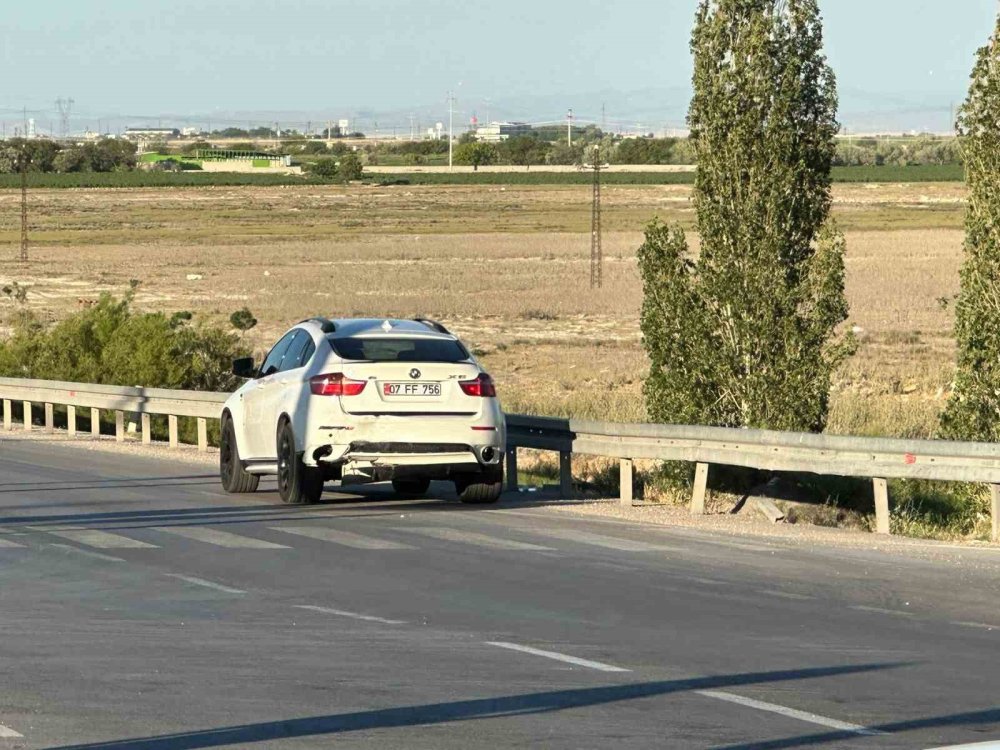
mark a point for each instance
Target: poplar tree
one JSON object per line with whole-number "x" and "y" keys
{"x": 973, "y": 412}
{"x": 746, "y": 333}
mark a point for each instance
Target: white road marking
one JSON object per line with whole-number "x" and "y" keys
{"x": 792, "y": 713}
{"x": 980, "y": 625}
{"x": 345, "y": 538}
{"x": 206, "y": 584}
{"x": 219, "y": 538}
{"x": 88, "y": 553}
{"x": 600, "y": 666}
{"x": 102, "y": 539}
{"x": 708, "y": 581}
{"x": 786, "y": 594}
{"x": 599, "y": 540}
{"x": 471, "y": 537}
{"x": 352, "y": 615}
{"x": 880, "y": 610}
{"x": 8, "y": 543}
{"x": 8, "y": 733}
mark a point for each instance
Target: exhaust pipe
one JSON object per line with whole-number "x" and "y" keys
{"x": 487, "y": 454}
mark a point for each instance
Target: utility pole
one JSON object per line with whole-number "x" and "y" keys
{"x": 451, "y": 115}
{"x": 24, "y": 208}
{"x": 596, "y": 251}
{"x": 412, "y": 136}
{"x": 604, "y": 117}
{"x": 569, "y": 128}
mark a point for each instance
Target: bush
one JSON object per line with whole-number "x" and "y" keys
{"x": 349, "y": 167}
{"x": 324, "y": 168}
{"x": 112, "y": 344}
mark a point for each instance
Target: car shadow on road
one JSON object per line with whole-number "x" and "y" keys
{"x": 464, "y": 710}
{"x": 370, "y": 500}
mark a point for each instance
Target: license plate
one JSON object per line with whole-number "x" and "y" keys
{"x": 411, "y": 389}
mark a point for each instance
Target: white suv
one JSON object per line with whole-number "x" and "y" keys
{"x": 364, "y": 400}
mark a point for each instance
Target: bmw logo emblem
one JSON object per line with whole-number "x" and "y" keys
{"x": 414, "y": 373}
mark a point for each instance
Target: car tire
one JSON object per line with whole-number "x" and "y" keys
{"x": 235, "y": 479}
{"x": 298, "y": 484}
{"x": 481, "y": 489}
{"x": 412, "y": 486}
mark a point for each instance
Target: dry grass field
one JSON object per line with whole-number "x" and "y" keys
{"x": 507, "y": 268}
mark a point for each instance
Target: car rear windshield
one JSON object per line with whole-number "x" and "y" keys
{"x": 379, "y": 349}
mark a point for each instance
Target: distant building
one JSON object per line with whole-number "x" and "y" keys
{"x": 148, "y": 134}
{"x": 495, "y": 132}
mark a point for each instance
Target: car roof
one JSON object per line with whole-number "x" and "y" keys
{"x": 347, "y": 327}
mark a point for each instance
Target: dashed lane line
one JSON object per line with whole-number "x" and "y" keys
{"x": 8, "y": 733}
{"x": 352, "y": 615}
{"x": 88, "y": 553}
{"x": 472, "y": 537}
{"x": 101, "y": 539}
{"x": 786, "y": 595}
{"x": 556, "y": 656}
{"x": 219, "y": 538}
{"x": 792, "y": 713}
{"x": 600, "y": 540}
{"x": 345, "y": 538}
{"x": 206, "y": 584}
{"x": 880, "y": 610}
{"x": 980, "y": 625}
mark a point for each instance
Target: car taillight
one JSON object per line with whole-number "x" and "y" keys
{"x": 335, "y": 384}
{"x": 482, "y": 386}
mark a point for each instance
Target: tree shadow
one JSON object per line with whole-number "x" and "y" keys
{"x": 985, "y": 716}
{"x": 465, "y": 710}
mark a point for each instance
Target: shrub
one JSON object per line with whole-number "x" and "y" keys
{"x": 110, "y": 343}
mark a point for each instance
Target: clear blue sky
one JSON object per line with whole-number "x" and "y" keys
{"x": 899, "y": 62}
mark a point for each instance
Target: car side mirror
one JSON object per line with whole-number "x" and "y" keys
{"x": 244, "y": 368}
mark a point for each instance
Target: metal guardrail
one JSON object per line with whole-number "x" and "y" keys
{"x": 203, "y": 405}
{"x": 876, "y": 458}
{"x": 834, "y": 455}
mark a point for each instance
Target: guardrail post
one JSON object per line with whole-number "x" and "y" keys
{"x": 147, "y": 433}
{"x": 71, "y": 420}
{"x": 7, "y": 414}
{"x": 565, "y": 474}
{"x": 995, "y": 511}
{"x": 202, "y": 434}
{"x": 50, "y": 419}
{"x": 27, "y": 416}
{"x": 625, "y": 482}
{"x": 95, "y": 423}
{"x": 512, "y": 469}
{"x": 700, "y": 486}
{"x": 120, "y": 426}
{"x": 172, "y": 430}
{"x": 881, "y": 490}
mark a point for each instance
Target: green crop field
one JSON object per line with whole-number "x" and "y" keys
{"x": 925, "y": 173}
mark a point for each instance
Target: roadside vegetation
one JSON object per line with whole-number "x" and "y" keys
{"x": 110, "y": 343}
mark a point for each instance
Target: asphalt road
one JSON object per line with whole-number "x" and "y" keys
{"x": 142, "y": 608}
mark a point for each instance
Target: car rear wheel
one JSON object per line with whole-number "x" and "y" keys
{"x": 298, "y": 484}
{"x": 235, "y": 478}
{"x": 411, "y": 485}
{"x": 480, "y": 489}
